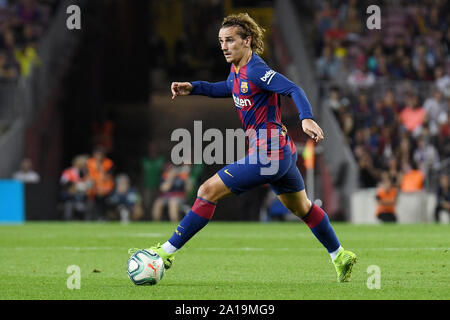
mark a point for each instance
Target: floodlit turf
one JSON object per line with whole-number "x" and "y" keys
{"x": 224, "y": 261}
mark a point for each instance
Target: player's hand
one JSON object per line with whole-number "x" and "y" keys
{"x": 312, "y": 129}
{"x": 181, "y": 89}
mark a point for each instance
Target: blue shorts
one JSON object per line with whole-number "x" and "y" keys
{"x": 248, "y": 173}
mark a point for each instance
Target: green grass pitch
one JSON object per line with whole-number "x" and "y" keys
{"x": 274, "y": 261}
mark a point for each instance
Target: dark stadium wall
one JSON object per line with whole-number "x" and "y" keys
{"x": 109, "y": 73}
{"x": 126, "y": 50}
{"x": 109, "y": 67}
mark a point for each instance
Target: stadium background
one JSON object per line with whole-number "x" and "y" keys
{"x": 117, "y": 70}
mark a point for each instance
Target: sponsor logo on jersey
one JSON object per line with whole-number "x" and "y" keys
{"x": 240, "y": 103}
{"x": 244, "y": 86}
{"x": 268, "y": 76}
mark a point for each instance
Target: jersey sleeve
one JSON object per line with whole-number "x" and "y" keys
{"x": 267, "y": 79}
{"x": 214, "y": 90}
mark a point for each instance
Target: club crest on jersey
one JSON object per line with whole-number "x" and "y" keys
{"x": 244, "y": 86}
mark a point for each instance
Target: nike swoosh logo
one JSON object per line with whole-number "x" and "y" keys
{"x": 226, "y": 171}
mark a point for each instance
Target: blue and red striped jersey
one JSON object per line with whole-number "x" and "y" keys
{"x": 255, "y": 89}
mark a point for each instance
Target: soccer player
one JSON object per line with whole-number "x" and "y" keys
{"x": 255, "y": 89}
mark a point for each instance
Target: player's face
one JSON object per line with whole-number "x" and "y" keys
{"x": 232, "y": 45}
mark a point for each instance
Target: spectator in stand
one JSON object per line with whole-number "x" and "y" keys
{"x": 368, "y": 174}
{"x": 352, "y": 23}
{"x": 404, "y": 151}
{"x": 415, "y": 46}
{"x": 174, "y": 188}
{"x": 412, "y": 179}
{"x": 328, "y": 65}
{"x": 442, "y": 81}
{"x": 8, "y": 40}
{"x": 28, "y": 35}
{"x": 434, "y": 107}
{"x": 443, "y": 198}
{"x": 373, "y": 61}
{"x": 152, "y": 167}
{"x": 422, "y": 72}
{"x": 26, "y": 174}
{"x": 27, "y": 58}
{"x": 324, "y": 17}
{"x": 348, "y": 125}
{"x": 125, "y": 201}
{"x": 425, "y": 155}
{"x": 335, "y": 35}
{"x": 75, "y": 184}
{"x": 423, "y": 58}
{"x": 386, "y": 196}
{"x": 394, "y": 171}
{"x": 407, "y": 71}
{"x": 382, "y": 70}
{"x": 396, "y": 67}
{"x": 445, "y": 41}
{"x": 386, "y": 144}
{"x": 390, "y": 108}
{"x": 413, "y": 116}
{"x": 101, "y": 173}
{"x": 363, "y": 111}
{"x": 360, "y": 79}
{"x": 22, "y": 22}
{"x": 28, "y": 11}
{"x": 7, "y": 69}
{"x": 336, "y": 103}
{"x": 443, "y": 138}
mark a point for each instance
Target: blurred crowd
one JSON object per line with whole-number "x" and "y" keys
{"x": 91, "y": 190}
{"x": 389, "y": 89}
{"x": 169, "y": 190}
{"x": 413, "y": 42}
{"x": 22, "y": 24}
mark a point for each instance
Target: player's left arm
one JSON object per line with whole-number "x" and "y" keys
{"x": 270, "y": 80}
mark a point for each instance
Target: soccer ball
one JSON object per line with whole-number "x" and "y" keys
{"x": 145, "y": 267}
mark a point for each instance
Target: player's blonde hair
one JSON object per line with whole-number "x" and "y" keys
{"x": 248, "y": 28}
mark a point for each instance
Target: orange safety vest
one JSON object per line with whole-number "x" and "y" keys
{"x": 386, "y": 195}
{"x": 412, "y": 181}
{"x": 102, "y": 179}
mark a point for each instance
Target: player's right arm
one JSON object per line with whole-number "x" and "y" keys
{"x": 213, "y": 90}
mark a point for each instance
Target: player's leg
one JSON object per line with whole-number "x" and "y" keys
{"x": 290, "y": 189}
{"x": 209, "y": 193}
{"x": 317, "y": 220}
{"x": 234, "y": 178}
{"x": 314, "y": 217}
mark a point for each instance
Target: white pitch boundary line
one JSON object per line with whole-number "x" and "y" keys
{"x": 62, "y": 248}
{"x": 224, "y": 249}
{"x": 317, "y": 249}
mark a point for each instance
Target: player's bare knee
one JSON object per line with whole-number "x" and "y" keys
{"x": 302, "y": 208}
{"x": 207, "y": 192}
{"x": 305, "y": 207}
